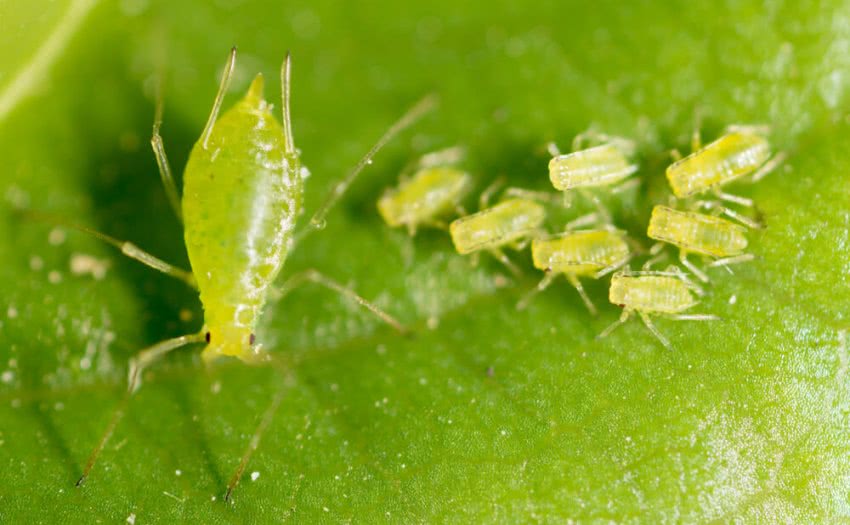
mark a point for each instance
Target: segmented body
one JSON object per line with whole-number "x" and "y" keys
{"x": 579, "y": 253}
{"x": 731, "y": 156}
{"x": 697, "y": 232}
{"x": 242, "y": 196}
{"x": 507, "y": 222}
{"x": 602, "y": 165}
{"x": 651, "y": 293}
{"x": 430, "y": 194}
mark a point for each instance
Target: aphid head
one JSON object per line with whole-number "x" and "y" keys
{"x": 233, "y": 341}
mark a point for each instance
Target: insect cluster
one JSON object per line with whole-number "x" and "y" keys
{"x": 697, "y": 221}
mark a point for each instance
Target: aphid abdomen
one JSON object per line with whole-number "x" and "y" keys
{"x": 242, "y": 195}
{"x": 697, "y": 232}
{"x": 579, "y": 253}
{"x": 431, "y": 193}
{"x": 651, "y": 293}
{"x": 731, "y": 156}
{"x": 598, "y": 166}
{"x": 503, "y": 223}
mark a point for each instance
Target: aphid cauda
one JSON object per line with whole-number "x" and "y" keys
{"x": 588, "y": 253}
{"x": 241, "y": 200}
{"x": 739, "y": 152}
{"x": 435, "y": 190}
{"x": 699, "y": 233}
{"x": 648, "y": 293}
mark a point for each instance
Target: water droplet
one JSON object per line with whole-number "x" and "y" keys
{"x": 319, "y": 224}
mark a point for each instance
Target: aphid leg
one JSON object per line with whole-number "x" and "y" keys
{"x": 600, "y": 207}
{"x": 737, "y": 199}
{"x": 683, "y": 258}
{"x": 553, "y": 150}
{"x": 582, "y": 221}
{"x": 577, "y": 285}
{"x": 645, "y": 318}
{"x": 162, "y": 159}
{"x": 675, "y": 271}
{"x": 542, "y": 285}
{"x": 743, "y": 219}
{"x": 226, "y": 76}
{"x": 317, "y": 222}
{"x": 127, "y": 248}
{"x": 737, "y": 259}
{"x": 675, "y": 155}
{"x": 134, "y": 378}
{"x": 502, "y": 258}
{"x": 615, "y": 266}
{"x": 758, "y": 129}
{"x": 613, "y": 326}
{"x": 489, "y": 191}
{"x": 543, "y": 196}
{"x": 694, "y": 317}
{"x": 769, "y": 166}
{"x": 313, "y": 276}
{"x": 625, "y": 186}
{"x": 268, "y": 415}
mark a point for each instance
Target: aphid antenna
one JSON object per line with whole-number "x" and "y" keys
{"x": 543, "y": 196}
{"x": 614, "y": 267}
{"x": 758, "y": 129}
{"x": 582, "y": 221}
{"x": 317, "y": 222}
{"x": 442, "y": 157}
{"x": 695, "y": 317}
{"x": 285, "y": 88}
{"x": 553, "y": 149}
{"x": 226, "y": 77}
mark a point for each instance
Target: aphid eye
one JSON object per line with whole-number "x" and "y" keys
{"x": 252, "y": 339}
{"x": 207, "y": 337}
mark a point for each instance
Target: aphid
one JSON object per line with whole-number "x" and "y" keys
{"x": 603, "y": 165}
{"x": 741, "y": 151}
{"x": 509, "y": 223}
{"x": 649, "y": 293}
{"x": 589, "y": 253}
{"x": 435, "y": 190}
{"x": 699, "y": 233}
{"x": 242, "y": 196}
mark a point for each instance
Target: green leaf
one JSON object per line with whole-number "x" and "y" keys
{"x": 486, "y": 414}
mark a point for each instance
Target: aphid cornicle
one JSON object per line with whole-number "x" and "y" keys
{"x": 241, "y": 200}
{"x": 511, "y": 222}
{"x": 699, "y": 233}
{"x": 649, "y": 293}
{"x": 605, "y": 164}
{"x": 434, "y": 191}
{"x": 741, "y": 151}
{"x": 589, "y": 253}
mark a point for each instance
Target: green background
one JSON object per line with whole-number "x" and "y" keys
{"x": 494, "y": 415}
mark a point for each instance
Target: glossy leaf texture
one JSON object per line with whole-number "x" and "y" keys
{"x": 485, "y": 414}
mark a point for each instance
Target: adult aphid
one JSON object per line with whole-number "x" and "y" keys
{"x": 649, "y": 293}
{"x": 434, "y": 191}
{"x": 739, "y": 152}
{"x": 574, "y": 254}
{"x": 512, "y": 222}
{"x": 241, "y": 199}
{"x": 699, "y": 233}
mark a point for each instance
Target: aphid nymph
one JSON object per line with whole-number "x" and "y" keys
{"x": 649, "y": 293}
{"x": 241, "y": 199}
{"x": 589, "y": 253}
{"x": 741, "y": 151}
{"x": 605, "y": 164}
{"x": 699, "y": 233}
{"x": 512, "y": 222}
{"x": 434, "y": 191}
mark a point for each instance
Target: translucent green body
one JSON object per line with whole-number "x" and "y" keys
{"x": 697, "y": 232}
{"x": 509, "y": 221}
{"x": 579, "y": 253}
{"x": 429, "y": 195}
{"x": 241, "y": 198}
{"x": 597, "y": 166}
{"x": 651, "y": 294}
{"x": 731, "y": 156}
